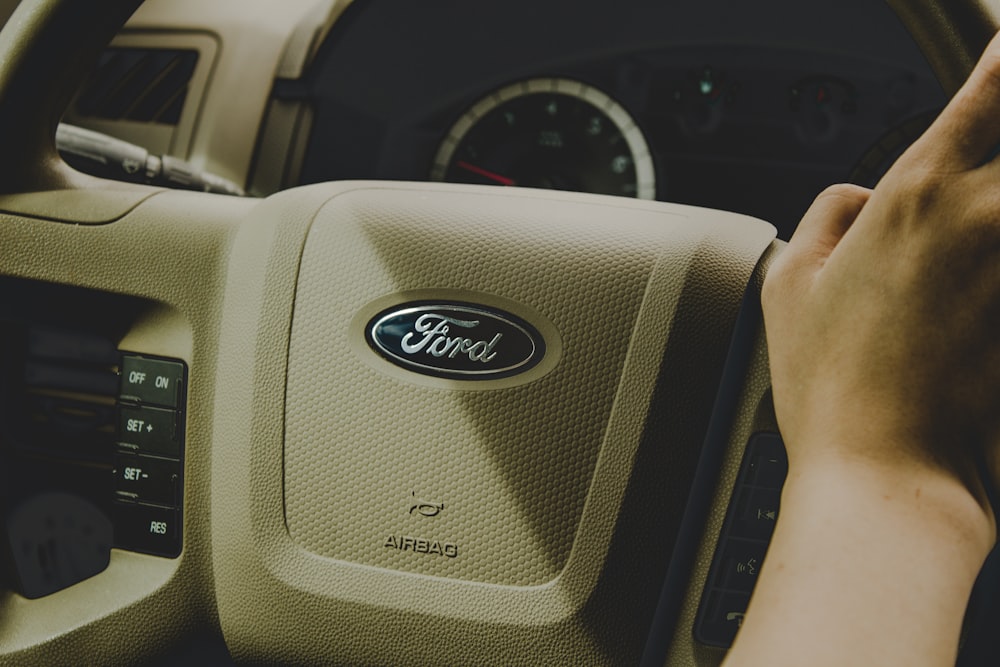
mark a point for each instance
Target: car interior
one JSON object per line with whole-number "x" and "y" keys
{"x": 382, "y": 332}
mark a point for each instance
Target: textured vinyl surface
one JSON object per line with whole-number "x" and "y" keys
{"x": 511, "y": 465}
{"x": 169, "y": 249}
{"x": 560, "y": 494}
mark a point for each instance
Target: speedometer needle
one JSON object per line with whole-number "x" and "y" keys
{"x": 502, "y": 180}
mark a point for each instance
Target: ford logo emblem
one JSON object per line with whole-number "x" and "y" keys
{"x": 455, "y": 340}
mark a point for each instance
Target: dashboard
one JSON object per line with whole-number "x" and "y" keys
{"x": 747, "y": 108}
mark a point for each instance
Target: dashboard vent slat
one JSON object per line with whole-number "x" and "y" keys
{"x": 64, "y": 403}
{"x": 143, "y": 85}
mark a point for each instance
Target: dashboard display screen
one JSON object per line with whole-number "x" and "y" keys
{"x": 548, "y": 133}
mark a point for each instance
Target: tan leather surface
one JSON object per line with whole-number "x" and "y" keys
{"x": 100, "y": 206}
{"x": 512, "y": 465}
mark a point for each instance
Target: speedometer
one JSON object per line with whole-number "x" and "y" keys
{"x": 548, "y": 133}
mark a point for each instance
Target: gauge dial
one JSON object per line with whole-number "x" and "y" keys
{"x": 548, "y": 133}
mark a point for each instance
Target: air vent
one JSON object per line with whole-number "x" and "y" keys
{"x": 144, "y": 85}
{"x": 68, "y": 398}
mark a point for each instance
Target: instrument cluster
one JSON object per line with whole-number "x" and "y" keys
{"x": 717, "y": 105}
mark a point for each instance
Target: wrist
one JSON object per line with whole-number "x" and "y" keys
{"x": 895, "y": 551}
{"x": 929, "y": 500}
{"x": 894, "y": 458}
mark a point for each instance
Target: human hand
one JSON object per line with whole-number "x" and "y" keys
{"x": 882, "y": 319}
{"x": 883, "y": 313}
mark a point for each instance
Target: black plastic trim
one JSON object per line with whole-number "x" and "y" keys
{"x": 706, "y": 475}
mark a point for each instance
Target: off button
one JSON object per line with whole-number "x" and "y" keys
{"x": 152, "y": 381}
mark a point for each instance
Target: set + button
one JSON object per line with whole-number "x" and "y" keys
{"x": 149, "y": 430}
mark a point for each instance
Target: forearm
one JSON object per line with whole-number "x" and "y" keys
{"x": 866, "y": 567}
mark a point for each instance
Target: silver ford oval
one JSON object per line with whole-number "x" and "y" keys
{"x": 455, "y": 340}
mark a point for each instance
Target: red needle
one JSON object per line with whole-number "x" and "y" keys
{"x": 502, "y": 180}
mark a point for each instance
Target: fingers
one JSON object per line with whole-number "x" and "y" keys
{"x": 821, "y": 229}
{"x": 967, "y": 132}
{"x": 827, "y": 220}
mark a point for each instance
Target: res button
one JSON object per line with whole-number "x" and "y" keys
{"x": 151, "y": 530}
{"x": 152, "y": 381}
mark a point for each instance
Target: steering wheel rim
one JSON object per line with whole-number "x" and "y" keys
{"x": 251, "y": 549}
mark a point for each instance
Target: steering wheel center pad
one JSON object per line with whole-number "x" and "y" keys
{"x": 411, "y": 509}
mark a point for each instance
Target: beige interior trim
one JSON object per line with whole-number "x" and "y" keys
{"x": 170, "y": 250}
{"x": 308, "y": 37}
{"x": 951, "y": 33}
{"x": 160, "y": 138}
{"x": 100, "y": 207}
{"x": 252, "y": 38}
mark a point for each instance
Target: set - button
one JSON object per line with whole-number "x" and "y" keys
{"x": 151, "y": 479}
{"x": 148, "y": 467}
{"x": 746, "y": 534}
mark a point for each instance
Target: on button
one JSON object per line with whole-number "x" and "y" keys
{"x": 152, "y": 380}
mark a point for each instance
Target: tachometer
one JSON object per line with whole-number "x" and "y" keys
{"x": 548, "y": 133}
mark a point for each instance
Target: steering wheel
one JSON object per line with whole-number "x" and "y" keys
{"x": 425, "y": 423}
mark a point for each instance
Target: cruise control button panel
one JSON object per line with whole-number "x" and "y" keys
{"x": 746, "y": 534}
{"x": 149, "y": 457}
